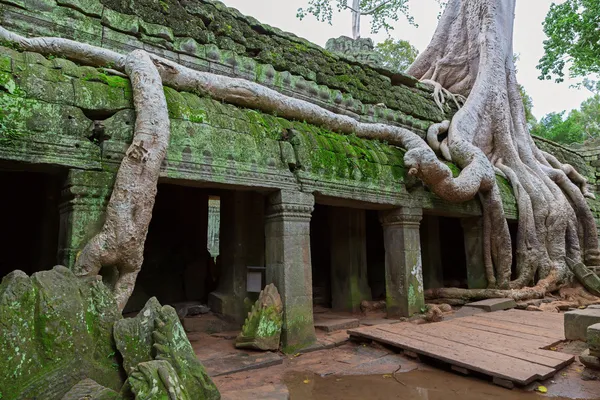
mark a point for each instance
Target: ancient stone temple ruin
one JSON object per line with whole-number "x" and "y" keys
{"x": 330, "y": 219}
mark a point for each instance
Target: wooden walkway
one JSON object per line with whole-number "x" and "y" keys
{"x": 506, "y": 345}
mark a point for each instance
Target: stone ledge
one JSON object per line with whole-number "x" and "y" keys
{"x": 578, "y": 321}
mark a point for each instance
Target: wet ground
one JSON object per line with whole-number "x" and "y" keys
{"x": 413, "y": 385}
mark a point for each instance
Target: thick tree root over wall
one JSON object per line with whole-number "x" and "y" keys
{"x": 470, "y": 55}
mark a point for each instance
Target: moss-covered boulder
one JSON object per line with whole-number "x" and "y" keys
{"x": 262, "y": 329}
{"x": 157, "y": 334}
{"x": 56, "y": 331}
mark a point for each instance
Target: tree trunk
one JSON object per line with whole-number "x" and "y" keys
{"x": 356, "y": 19}
{"x": 471, "y": 55}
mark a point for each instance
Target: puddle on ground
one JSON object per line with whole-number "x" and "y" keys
{"x": 414, "y": 385}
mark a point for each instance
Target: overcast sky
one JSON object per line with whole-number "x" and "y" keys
{"x": 529, "y": 36}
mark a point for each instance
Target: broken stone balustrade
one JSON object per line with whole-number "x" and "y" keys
{"x": 262, "y": 329}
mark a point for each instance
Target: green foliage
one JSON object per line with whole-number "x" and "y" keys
{"x": 382, "y": 12}
{"x": 528, "y": 105}
{"x": 578, "y": 126}
{"x": 397, "y": 55}
{"x": 573, "y": 38}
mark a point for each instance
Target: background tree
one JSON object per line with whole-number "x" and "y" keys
{"x": 397, "y": 54}
{"x": 573, "y": 40}
{"x": 579, "y": 126}
{"x": 382, "y": 12}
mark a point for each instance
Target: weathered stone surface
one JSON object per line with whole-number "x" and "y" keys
{"x": 336, "y": 324}
{"x": 589, "y": 360}
{"x": 56, "y": 332}
{"x": 593, "y": 339}
{"x": 577, "y": 322}
{"x": 157, "y": 379}
{"x": 133, "y": 336}
{"x": 403, "y": 265}
{"x": 157, "y": 334}
{"x": 239, "y": 362}
{"x": 90, "y": 390}
{"x": 262, "y": 329}
{"x": 288, "y": 262}
{"x": 491, "y": 305}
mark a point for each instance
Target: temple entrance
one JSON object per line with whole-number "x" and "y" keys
{"x": 347, "y": 256}
{"x": 30, "y": 221}
{"x": 177, "y": 265}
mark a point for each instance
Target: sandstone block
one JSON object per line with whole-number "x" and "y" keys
{"x": 490, "y": 305}
{"x": 577, "y": 322}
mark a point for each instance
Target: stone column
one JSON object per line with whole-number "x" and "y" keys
{"x": 241, "y": 245}
{"x": 83, "y": 203}
{"x": 433, "y": 275}
{"x": 473, "y": 231}
{"x": 403, "y": 267}
{"x": 349, "y": 279}
{"x": 287, "y": 229}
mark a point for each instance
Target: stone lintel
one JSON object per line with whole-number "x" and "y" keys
{"x": 403, "y": 265}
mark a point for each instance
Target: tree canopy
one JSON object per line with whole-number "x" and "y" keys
{"x": 573, "y": 40}
{"x": 578, "y": 126}
{"x": 382, "y": 12}
{"x": 397, "y": 54}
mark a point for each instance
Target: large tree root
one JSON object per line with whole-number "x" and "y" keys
{"x": 471, "y": 55}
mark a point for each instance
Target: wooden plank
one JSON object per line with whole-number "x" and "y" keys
{"x": 542, "y": 341}
{"x": 456, "y": 336}
{"x": 480, "y": 360}
{"x": 451, "y": 356}
{"x": 515, "y": 327}
{"x": 556, "y": 325}
{"x": 549, "y": 331}
{"x": 514, "y": 343}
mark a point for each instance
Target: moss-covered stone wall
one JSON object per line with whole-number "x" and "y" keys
{"x": 208, "y": 36}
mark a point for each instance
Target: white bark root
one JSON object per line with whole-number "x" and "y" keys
{"x": 471, "y": 55}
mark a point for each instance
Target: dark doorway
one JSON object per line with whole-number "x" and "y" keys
{"x": 320, "y": 250}
{"x": 375, "y": 255}
{"x": 454, "y": 261}
{"x": 30, "y": 221}
{"x": 176, "y": 257}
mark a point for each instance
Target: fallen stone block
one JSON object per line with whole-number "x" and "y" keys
{"x": 593, "y": 339}
{"x": 589, "y": 360}
{"x": 490, "y": 305}
{"x": 577, "y": 322}
{"x": 338, "y": 324}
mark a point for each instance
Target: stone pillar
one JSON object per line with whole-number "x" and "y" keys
{"x": 242, "y": 243}
{"x": 473, "y": 231}
{"x": 83, "y": 203}
{"x": 403, "y": 267}
{"x": 349, "y": 279}
{"x": 433, "y": 274}
{"x": 287, "y": 229}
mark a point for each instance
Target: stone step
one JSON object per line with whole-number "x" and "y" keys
{"x": 336, "y": 324}
{"x": 491, "y": 305}
{"x": 578, "y": 321}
